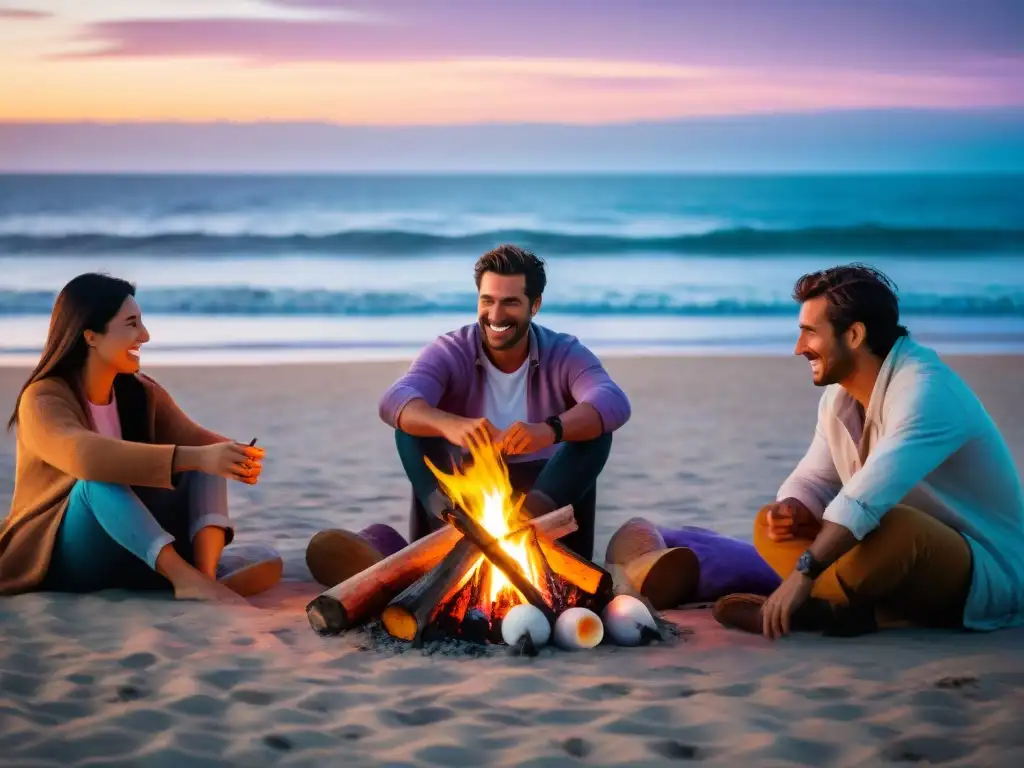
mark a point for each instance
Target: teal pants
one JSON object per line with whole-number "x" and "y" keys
{"x": 111, "y": 535}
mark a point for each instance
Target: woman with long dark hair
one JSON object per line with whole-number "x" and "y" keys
{"x": 115, "y": 487}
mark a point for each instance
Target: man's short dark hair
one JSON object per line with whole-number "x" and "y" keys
{"x": 857, "y": 293}
{"x": 513, "y": 260}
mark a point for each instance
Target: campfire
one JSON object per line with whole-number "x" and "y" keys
{"x": 489, "y": 576}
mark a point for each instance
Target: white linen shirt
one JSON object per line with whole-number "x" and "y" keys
{"x": 927, "y": 442}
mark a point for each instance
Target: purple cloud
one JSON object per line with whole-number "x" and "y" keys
{"x": 23, "y": 14}
{"x": 869, "y": 34}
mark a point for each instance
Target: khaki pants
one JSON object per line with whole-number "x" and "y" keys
{"x": 911, "y": 568}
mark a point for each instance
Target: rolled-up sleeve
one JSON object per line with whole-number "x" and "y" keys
{"x": 426, "y": 379}
{"x": 590, "y": 383}
{"x": 925, "y": 424}
{"x": 814, "y": 482}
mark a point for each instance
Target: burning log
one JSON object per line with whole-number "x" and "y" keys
{"x": 367, "y": 593}
{"x": 595, "y": 581}
{"x": 499, "y": 558}
{"x": 408, "y": 614}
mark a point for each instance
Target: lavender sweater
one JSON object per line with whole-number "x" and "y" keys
{"x": 449, "y": 375}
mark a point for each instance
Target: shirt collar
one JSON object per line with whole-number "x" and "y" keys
{"x": 534, "y": 353}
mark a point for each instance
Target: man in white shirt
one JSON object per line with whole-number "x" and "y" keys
{"x": 907, "y": 506}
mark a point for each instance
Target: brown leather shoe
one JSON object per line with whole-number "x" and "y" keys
{"x": 739, "y": 611}
{"x": 743, "y": 611}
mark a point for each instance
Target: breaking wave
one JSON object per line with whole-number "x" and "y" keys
{"x": 864, "y": 239}
{"x": 241, "y": 301}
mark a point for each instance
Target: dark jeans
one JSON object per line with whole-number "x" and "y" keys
{"x": 568, "y": 477}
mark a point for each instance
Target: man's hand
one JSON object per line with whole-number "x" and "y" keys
{"x": 523, "y": 438}
{"x": 777, "y": 612}
{"x": 458, "y": 430}
{"x": 790, "y": 519}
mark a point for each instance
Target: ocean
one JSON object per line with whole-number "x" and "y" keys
{"x": 242, "y": 269}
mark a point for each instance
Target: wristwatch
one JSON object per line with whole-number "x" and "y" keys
{"x": 808, "y": 566}
{"x": 555, "y": 422}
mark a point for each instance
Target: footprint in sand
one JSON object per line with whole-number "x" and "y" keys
{"x": 843, "y": 712}
{"x": 449, "y": 755}
{"x": 738, "y": 689}
{"x": 423, "y": 700}
{"x": 507, "y": 718}
{"x": 255, "y": 697}
{"x": 144, "y": 721}
{"x": 138, "y": 661}
{"x": 416, "y": 717}
{"x": 280, "y": 743}
{"x": 825, "y": 693}
{"x": 129, "y": 693}
{"x": 20, "y": 685}
{"x": 948, "y": 717}
{"x": 670, "y": 692}
{"x": 926, "y": 749}
{"x": 675, "y": 750}
{"x": 337, "y": 700}
{"x": 226, "y": 679}
{"x": 199, "y": 705}
{"x": 576, "y": 747}
{"x": 352, "y": 732}
{"x": 567, "y": 716}
{"x": 806, "y": 751}
{"x": 957, "y": 682}
{"x": 605, "y": 691}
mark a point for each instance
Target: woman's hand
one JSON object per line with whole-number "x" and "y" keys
{"x": 233, "y": 461}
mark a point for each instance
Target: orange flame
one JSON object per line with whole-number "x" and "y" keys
{"x": 483, "y": 490}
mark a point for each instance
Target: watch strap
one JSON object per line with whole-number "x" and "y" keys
{"x": 555, "y": 422}
{"x": 808, "y": 566}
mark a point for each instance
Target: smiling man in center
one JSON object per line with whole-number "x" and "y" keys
{"x": 542, "y": 396}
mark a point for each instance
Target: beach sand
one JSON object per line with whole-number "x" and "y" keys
{"x": 119, "y": 679}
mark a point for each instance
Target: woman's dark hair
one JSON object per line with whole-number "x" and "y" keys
{"x": 857, "y": 293}
{"x": 87, "y": 303}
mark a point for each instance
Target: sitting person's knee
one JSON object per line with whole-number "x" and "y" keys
{"x": 899, "y": 519}
{"x": 84, "y": 488}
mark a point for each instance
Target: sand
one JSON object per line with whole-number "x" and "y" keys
{"x": 120, "y": 679}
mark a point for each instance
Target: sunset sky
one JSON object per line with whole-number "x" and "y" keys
{"x": 466, "y": 62}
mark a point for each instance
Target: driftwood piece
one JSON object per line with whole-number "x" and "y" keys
{"x": 368, "y": 592}
{"x": 408, "y": 614}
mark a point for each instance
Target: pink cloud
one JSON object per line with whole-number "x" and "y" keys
{"x": 914, "y": 34}
{"x": 23, "y": 14}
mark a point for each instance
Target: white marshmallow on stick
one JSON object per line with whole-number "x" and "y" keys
{"x": 578, "y": 628}
{"x": 628, "y": 621}
{"x": 525, "y": 629}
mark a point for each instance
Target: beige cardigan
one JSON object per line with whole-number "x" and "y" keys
{"x": 57, "y": 445}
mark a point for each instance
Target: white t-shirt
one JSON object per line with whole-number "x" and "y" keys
{"x": 505, "y": 397}
{"x": 106, "y": 419}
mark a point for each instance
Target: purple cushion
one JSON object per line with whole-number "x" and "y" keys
{"x": 727, "y": 565}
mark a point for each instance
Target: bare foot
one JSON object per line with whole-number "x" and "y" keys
{"x": 203, "y": 588}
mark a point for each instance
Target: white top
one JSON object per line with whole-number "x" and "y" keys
{"x": 927, "y": 442}
{"x": 505, "y": 398}
{"x": 106, "y": 419}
